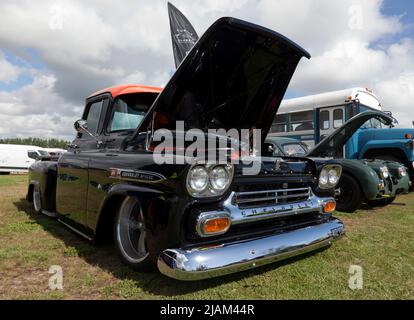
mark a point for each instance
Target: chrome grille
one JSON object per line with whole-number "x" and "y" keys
{"x": 253, "y": 199}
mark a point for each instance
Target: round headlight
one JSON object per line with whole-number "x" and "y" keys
{"x": 324, "y": 178}
{"x": 384, "y": 173}
{"x": 333, "y": 177}
{"x": 219, "y": 178}
{"x": 198, "y": 179}
{"x": 402, "y": 171}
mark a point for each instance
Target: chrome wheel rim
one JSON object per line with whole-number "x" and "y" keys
{"x": 37, "y": 202}
{"x": 131, "y": 231}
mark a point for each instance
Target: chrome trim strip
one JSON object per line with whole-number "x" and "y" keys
{"x": 213, "y": 261}
{"x": 75, "y": 230}
{"x": 262, "y": 212}
{"x": 271, "y": 191}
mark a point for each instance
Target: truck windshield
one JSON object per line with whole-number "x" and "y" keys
{"x": 129, "y": 111}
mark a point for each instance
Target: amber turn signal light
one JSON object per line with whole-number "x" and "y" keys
{"x": 329, "y": 206}
{"x": 216, "y": 225}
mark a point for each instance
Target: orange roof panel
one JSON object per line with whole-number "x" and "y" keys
{"x": 126, "y": 89}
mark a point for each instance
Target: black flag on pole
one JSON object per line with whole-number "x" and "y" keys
{"x": 182, "y": 33}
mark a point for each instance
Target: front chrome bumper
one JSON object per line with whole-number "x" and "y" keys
{"x": 213, "y": 261}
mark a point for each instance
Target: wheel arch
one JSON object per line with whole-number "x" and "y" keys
{"x": 352, "y": 175}
{"x": 30, "y": 188}
{"x": 108, "y": 210}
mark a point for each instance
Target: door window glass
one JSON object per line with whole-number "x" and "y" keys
{"x": 324, "y": 120}
{"x": 277, "y": 152}
{"x": 94, "y": 116}
{"x": 33, "y": 155}
{"x": 338, "y": 118}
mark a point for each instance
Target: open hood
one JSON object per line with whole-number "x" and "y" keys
{"x": 235, "y": 76}
{"x": 329, "y": 146}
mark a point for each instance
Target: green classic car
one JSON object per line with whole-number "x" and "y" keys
{"x": 375, "y": 182}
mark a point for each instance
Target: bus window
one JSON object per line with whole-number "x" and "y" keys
{"x": 301, "y": 121}
{"x": 279, "y": 124}
{"x": 338, "y": 118}
{"x": 324, "y": 120}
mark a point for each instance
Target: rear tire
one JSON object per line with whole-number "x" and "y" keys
{"x": 351, "y": 196}
{"x": 37, "y": 199}
{"x": 130, "y": 236}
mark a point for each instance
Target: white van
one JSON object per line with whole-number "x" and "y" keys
{"x": 18, "y": 158}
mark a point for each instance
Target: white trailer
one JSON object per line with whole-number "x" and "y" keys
{"x": 18, "y": 158}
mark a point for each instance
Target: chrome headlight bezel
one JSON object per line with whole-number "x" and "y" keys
{"x": 384, "y": 172}
{"x": 210, "y": 189}
{"x": 329, "y": 176}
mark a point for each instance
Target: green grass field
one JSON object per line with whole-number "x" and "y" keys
{"x": 379, "y": 240}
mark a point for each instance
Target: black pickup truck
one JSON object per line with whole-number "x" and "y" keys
{"x": 193, "y": 220}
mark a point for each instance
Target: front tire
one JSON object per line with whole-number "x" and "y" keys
{"x": 350, "y": 197}
{"x": 130, "y": 236}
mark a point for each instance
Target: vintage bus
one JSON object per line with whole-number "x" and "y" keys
{"x": 311, "y": 118}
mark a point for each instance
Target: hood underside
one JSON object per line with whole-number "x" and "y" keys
{"x": 329, "y": 146}
{"x": 234, "y": 77}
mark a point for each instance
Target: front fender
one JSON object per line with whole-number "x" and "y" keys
{"x": 365, "y": 175}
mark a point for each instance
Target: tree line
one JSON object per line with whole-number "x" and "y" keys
{"x": 43, "y": 143}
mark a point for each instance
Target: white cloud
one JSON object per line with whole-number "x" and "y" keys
{"x": 37, "y": 110}
{"x": 8, "y": 71}
{"x": 86, "y": 46}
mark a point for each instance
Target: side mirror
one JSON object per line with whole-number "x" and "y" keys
{"x": 81, "y": 126}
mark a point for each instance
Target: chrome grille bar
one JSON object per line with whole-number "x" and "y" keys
{"x": 269, "y": 197}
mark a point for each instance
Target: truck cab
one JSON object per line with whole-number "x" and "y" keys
{"x": 374, "y": 140}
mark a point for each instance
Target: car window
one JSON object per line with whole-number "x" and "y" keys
{"x": 294, "y": 149}
{"x": 33, "y": 155}
{"x": 43, "y": 153}
{"x": 277, "y": 152}
{"x": 94, "y": 115}
{"x": 128, "y": 112}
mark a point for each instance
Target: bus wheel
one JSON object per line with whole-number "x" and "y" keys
{"x": 381, "y": 202}
{"x": 350, "y": 196}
